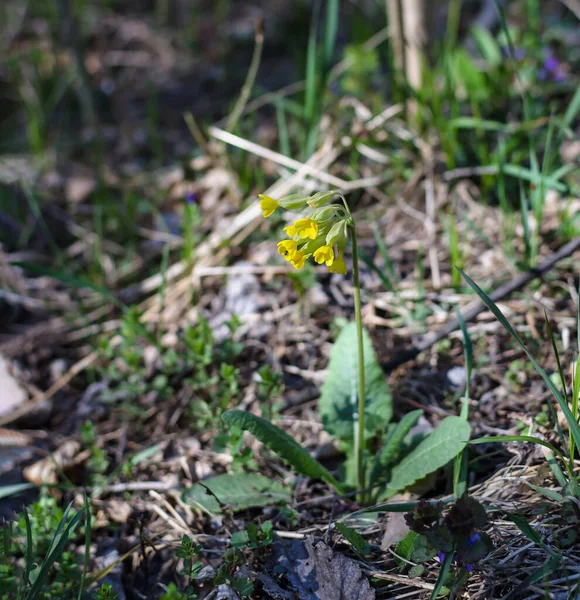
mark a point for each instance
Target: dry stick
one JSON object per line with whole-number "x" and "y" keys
{"x": 478, "y": 307}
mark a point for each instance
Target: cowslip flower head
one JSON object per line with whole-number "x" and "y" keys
{"x": 338, "y": 265}
{"x": 322, "y": 233}
{"x": 267, "y": 204}
{"x": 288, "y": 248}
{"x": 324, "y": 254}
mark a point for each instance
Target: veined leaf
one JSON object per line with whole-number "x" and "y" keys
{"x": 338, "y": 399}
{"x": 434, "y": 452}
{"x": 243, "y": 490}
{"x": 393, "y": 443}
{"x": 354, "y": 538}
{"x": 286, "y": 447}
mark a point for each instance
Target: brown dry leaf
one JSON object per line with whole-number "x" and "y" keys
{"x": 118, "y": 511}
{"x": 79, "y": 187}
{"x": 9, "y": 437}
{"x": 45, "y": 471}
{"x": 12, "y": 395}
{"x": 395, "y": 531}
{"x": 316, "y": 572}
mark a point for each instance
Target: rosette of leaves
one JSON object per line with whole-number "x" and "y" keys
{"x": 395, "y": 459}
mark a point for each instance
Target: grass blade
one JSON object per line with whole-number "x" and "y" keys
{"x": 572, "y": 423}
{"x": 28, "y": 558}
{"x": 331, "y": 29}
{"x": 60, "y": 539}
{"x": 311, "y": 72}
{"x": 443, "y": 572}
{"x": 87, "y": 546}
{"x": 520, "y": 438}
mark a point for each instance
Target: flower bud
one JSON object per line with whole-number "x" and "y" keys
{"x": 321, "y": 199}
{"x": 293, "y": 201}
{"x": 337, "y": 233}
{"x": 322, "y": 214}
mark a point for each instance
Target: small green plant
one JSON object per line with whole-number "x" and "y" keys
{"x": 253, "y": 536}
{"x": 97, "y": 464}
{"x": 139, "y": 366}
{"x": 105, "y": 592}
{"x": 355, "y": 403}
{"x": 34, "y": 564}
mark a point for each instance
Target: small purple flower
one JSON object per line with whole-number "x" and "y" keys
{"x": 441, "y": 557}
{"x": 551, "y": 64}
{"x": 469, "y": 568}
{"x": 475, "y": 537}
{"x": 191, "y": 198}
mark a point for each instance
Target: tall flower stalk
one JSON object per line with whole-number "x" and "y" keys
{"x": 322, "y": 233}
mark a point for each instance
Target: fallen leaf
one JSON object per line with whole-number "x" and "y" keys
{"x": 315, "y": 572}
{"x": 45, "y": 471}
{"x": 395, "y": 531}
{"x": 12, "y": 396}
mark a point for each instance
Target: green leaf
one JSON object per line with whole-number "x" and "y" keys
{"x": 572, "y": 423}
{"x": 63, "y": 534}
{"x": 487, "y": 45}
{"x": 354, "y": 538}
{"x": 443, "y": 571}
{"x": 434, "y": 452}
{"x": 393, "y": 444}
{"x": 243, "y": 490}
{"x": 277, "y": 440}
{"x": 338, "y": 400}
{"x": 12, "y": 490}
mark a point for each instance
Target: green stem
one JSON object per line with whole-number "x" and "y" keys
{"x": 359, "y": 439}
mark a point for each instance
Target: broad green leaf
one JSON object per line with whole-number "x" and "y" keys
{"x": 338, "y": 399}
{"x": 434, "y": 452}
{"x": 572, "y": 422}
{"x": 354, "y": 538}
{"x": 243, "y": 490}
{"x": 405, "y": 547}
{"x": 393, "y": 444}
{"x": 277, "y": 440}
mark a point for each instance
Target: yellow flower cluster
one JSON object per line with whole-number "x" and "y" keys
{"x": 322, "y": 233}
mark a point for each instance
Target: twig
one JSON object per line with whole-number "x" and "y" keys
{"x": 478, "y": 307}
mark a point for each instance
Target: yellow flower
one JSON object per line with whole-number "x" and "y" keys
{"x": 267, "y": 204}
{"x": 298, "y": 260}
{"x": 288, "y": 248}
{"x": 324, "y": 254}
{"x": 290, "y": 231}
{"x": 306, "y": 228}
{"x": 338, "y": 266}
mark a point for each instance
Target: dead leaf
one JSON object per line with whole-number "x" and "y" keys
{"x": 79, "y": 187}
{"x": 395, "y": 531}
{"x": 315, "y": 572}
{"x": 12, "y": 395}
{"x": 45, "y": 471}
